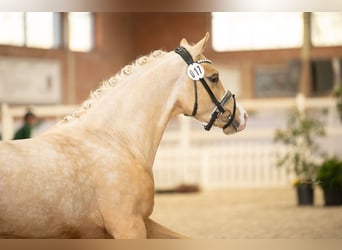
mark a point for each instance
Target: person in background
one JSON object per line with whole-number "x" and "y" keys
{"x": 24, "y": 132}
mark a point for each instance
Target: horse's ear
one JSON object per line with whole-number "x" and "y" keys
{"x": 184, "y": 43}
{"x": 200, "y": 46}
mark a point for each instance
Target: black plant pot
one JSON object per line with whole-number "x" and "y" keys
{"x": 305, "y": 194}
{"x": 332, "y": 197}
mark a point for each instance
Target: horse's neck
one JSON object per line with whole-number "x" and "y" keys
{"x": 137, "y": 110}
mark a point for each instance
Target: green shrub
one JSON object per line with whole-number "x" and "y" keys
{"x": 330, "y": 174}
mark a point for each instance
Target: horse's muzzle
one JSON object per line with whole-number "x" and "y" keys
{"x": 243, "y": 124}
{"x": 240, "y": 122}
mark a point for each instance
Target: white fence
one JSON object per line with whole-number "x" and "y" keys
{"x": 189, "y": 155}
{"x": 248, "y": 159}
{"x": 217, "y": 166}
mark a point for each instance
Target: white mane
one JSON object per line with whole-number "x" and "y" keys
{"x": 112, "y": 82}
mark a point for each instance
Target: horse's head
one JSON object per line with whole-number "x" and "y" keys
{"x": 204, "y": 96}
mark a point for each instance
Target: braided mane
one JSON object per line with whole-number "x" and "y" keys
{"x": 112, "y": 82}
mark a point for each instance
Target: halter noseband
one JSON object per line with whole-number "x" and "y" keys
{"x": 196, "y": 72}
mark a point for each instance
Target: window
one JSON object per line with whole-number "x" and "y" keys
{"x": 12, "y": 28}
{"x": 80, "y": 31}
{"x": 234, "y": 31}
{"x": 44, "y": 30}
{"x": 326, "y": 28}
{"x": 32, "y": 29}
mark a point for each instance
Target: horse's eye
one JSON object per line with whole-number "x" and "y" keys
{"x": 214, "y": 78}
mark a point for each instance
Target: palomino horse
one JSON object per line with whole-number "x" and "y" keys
{"x": 90, "y": 176}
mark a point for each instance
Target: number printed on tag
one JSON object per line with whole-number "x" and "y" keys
{"x": 195, "y": 71}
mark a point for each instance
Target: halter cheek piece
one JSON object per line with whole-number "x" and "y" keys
{"x": 195, "y": 73}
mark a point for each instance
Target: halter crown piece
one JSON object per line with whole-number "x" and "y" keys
{"x": 196, "y": 72}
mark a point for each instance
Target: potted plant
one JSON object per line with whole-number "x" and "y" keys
{"x": 302, "y": 154}
{"x": 329, "y": 178}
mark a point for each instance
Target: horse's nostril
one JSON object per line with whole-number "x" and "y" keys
{"x": 243, "y": 123}
{"x": 245, "y": 115}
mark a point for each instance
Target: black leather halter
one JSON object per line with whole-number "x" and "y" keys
{"x": 219, "y": 104}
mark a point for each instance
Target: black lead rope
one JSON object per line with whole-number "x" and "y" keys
{"x": 219, "y": 109}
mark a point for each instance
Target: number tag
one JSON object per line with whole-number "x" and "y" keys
{"x": 195, "y": 71}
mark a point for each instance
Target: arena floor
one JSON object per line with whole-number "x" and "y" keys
{"x": 247, "y": 214}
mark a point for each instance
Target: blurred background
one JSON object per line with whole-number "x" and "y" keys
{"x": 274, "y": 62}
